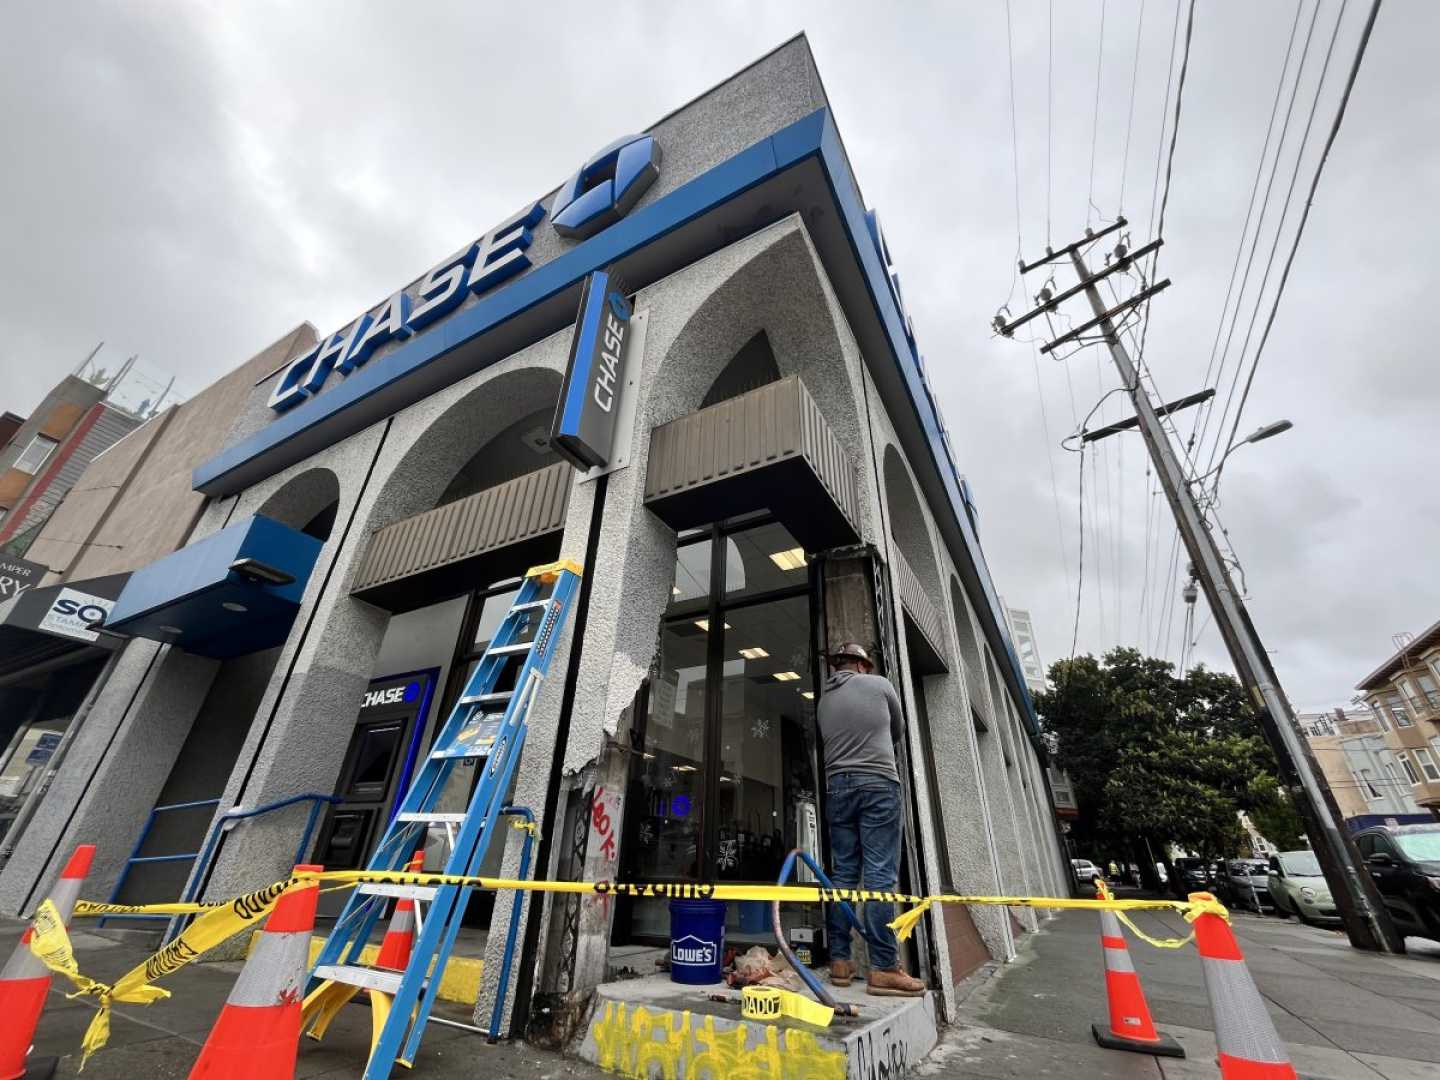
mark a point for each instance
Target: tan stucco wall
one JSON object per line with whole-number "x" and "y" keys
{"x": 139, "y": 492}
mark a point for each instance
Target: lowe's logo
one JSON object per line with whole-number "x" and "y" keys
{"x": 691, "y": 951}
{"x": 603, "y": 191}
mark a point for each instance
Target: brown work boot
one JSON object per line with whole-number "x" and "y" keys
{"x": 893, "y": 982}
{"x": 842, "y": 972}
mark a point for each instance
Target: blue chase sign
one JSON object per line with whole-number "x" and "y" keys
{"x": 584, "y": 427}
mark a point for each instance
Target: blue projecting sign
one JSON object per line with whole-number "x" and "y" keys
{"x": 584, "y": 428}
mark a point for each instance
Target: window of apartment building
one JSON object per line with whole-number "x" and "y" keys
{"x": 1392, "y": 779}
{"x": 1397, "y": 711}
{"x": 1429, "y": 695}
{"x": 1427, "y": 765}
{"x": 1367, "y": 784}
{"x": 36, "y": 454}
{"x": 1409, "y": 768}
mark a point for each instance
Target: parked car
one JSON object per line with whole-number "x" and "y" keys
{"x": 1086, "y": 873}
{"x": 1246, "y": 885}
{"x": 1191, "y": 875}
{"x": 1298, "y": 888}
{"x": 1404, "y": 860}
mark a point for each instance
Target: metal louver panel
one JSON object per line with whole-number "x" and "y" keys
{"x": 769, "y": 448}
{"x": 449, "y": 549}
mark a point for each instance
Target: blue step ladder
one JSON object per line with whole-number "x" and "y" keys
{"x": 487, "y": 727}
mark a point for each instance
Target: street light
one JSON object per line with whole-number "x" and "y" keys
{"x": 1260, "y": 434}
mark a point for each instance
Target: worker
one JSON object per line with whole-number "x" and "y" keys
{"x": 859, "y": 720}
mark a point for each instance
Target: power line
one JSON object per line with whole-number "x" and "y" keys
{"x": 1309, "y": 202}
{"x": 1264, "y": 209}
{"x": 1095, "y": 122}
{"x": 1049, "y": 111}
{"x": 1250, "y": 209}
{"x": 1130, "y": 120}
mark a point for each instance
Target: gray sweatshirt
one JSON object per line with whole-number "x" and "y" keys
{"x": 859, "y": 721}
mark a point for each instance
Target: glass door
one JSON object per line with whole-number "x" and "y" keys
{"x": 724, "y": 776}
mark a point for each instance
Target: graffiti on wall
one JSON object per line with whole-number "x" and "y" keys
{"x": 640, "y": 1043}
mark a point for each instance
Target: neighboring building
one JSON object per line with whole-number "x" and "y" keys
{"x": 10, "y": 423}
{"x": 1022, "y": 634}
{"x": 780, "y": 480}
{"x": 47, "y": 452}
{"x": 1404, "y": 692}
{"x": 1362, "y": 770}
{"x": 132, "y": 505}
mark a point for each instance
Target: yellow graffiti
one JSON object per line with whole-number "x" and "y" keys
{"x": 645, "y": 1045}
{"x": 804, "y": 1056}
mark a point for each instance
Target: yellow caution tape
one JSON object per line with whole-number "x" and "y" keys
{"x": 220, "y": 920}
{"x": 216, "y": 924}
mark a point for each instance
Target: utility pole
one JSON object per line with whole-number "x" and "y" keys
{"x": 1366, "y": 920}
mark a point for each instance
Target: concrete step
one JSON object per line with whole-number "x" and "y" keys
{"x": 634, "y": 1023}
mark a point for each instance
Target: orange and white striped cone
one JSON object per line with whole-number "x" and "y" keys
{"x": 1131, "y": 1027}
{"x": 1249, "y": 1046}
{"x": 325, "y": 1002}
{"x": 400, "y": 937}
{"x": 258, "y": 1033}
{"x": 25, "y": 981}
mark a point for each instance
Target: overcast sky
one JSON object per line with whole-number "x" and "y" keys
{"x": 189, "y": 181}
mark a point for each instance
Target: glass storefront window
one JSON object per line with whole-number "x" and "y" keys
{"x": 671, "y": 774}
{"x": 762, "y": 560}
{"x": 494, "y": 608}
{"x": 724, "y": 770}
{"x": 767, "y": 737}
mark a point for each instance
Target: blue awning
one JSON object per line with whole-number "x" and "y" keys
{"x": 232, "y": 593}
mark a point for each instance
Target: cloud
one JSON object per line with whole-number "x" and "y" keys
{"x": 188, "y": 182}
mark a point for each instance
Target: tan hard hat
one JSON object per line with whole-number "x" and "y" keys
{"x": 851, "y": 650}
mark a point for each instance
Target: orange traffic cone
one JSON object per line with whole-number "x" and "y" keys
{"x": 258, "y": 1033}
{"x": 1249, "y": 1046}
{"x": 1130, "y": 1025}
{"x": 25, "y": 981}
{"x": 400, "y": 937}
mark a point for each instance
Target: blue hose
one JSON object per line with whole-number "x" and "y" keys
{"x": 806, "y": 975}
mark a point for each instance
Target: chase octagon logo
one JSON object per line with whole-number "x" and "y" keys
{"x": 606, "y": 187}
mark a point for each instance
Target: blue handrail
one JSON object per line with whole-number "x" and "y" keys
{"x": 135, "y": 857}
{"x": 206, "y": 853}
{"x": 528, "y": 816}
{"x": 239, "y": 813}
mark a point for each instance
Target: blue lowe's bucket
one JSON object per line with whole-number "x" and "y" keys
{"x": 697, "y": 941}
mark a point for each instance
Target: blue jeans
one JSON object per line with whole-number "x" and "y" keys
{"x": 864, "y": 814}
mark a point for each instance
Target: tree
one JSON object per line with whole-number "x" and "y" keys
{"x": 1158, "y": 757}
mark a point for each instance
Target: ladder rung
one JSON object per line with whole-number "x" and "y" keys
{"x": 430, "y": 817}
{"x": 403, "y": 892}
{"x": 529, "y": 605}
{"x": 488, "y": 699}
{"x": 511, "y": 650}
{"x": 387, "y": 982}
{"x": 462, "y": 751}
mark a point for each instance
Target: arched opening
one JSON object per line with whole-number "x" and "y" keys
{"x": 523, "y": 447}
{"x": 308, "y": 502}
{"x": 907, "y": 522}
{"x": 750, "y": 368}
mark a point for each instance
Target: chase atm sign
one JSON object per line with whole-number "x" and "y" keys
{"x": 600, "y": 193}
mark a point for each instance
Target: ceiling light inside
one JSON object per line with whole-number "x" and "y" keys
{"x": 808, "y": 695}
{"x": 233, "y": 605}
{"x": 787, "y": 676}
{"x": 704, "y": 624}
{"x": 794, "y": 559}
{"x": 755, "y": 652}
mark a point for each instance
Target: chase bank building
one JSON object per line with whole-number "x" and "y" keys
{"x": 745, "y": 456}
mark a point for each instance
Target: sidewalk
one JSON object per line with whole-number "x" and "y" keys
{"x": 162, "y": 1041}
{"x": 1346, "y": 1015}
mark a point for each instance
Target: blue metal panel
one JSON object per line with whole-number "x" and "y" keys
{"x": 193, "y": 599}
